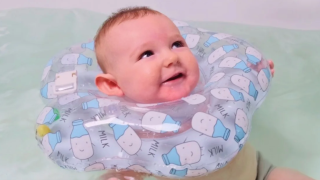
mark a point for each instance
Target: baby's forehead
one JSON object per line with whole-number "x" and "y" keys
{"x": 115, "y": 38}
{"x": 148, "y": 21}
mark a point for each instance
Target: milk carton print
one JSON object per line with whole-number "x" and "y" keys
{"x": 126, "y": 138}
{"x": 218, "y": 53}
{"x": 48, "y": 115}
{"x": 191, "y": 39}
{"x": 159, "y": 122}
{"x": 99, "y": 102}
{"x": 182, "y": 154}
{"x": 236, "y": 63}
{"x": 228, "y": 94}
{"x": 215, "y": 38}
{"x": 188, "y": 172}
{"x": 215, "y": 78}
{"x": 46, "y": 70}
{"x": 95, "y": 167}
{"x": 241, "y": 125}
{"x": 89, "y": 45}
{"x": 254, "y": 57}
{"x": 47, "y": 91}
{"x": 80, "y": 141}
{"x": 245, "y": 84}
{"x": 194, "y": 99}
{"x": 76, "y": 59}
{"x": 264, "y": 78}
{"x": 210, "y": 126}
{"x": 50, "y": 141}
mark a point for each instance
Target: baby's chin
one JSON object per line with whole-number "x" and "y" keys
{"x": 174, "y": 96}
{"x": 169, "y": 94}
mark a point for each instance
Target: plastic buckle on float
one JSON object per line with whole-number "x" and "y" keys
{"x": 65, "y": 82}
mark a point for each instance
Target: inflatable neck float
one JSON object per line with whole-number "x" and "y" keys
{"x": 82, "y": 129}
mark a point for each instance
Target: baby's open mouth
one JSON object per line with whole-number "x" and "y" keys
{"x": 174, "y": 77}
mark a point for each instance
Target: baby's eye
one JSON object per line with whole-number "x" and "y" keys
{"x": 177, "y": 44}
{"x": 146, "y": 54}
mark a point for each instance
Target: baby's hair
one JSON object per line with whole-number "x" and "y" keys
{"x": 120, "y": 16}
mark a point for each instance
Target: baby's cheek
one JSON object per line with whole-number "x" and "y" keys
{"x": 141, "y": 90}
{"x": 195, "y": 78}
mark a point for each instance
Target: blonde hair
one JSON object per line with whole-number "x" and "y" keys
{"x": 117, "y": 18}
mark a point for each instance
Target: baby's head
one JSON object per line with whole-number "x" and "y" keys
{"x": 144, "y": 57}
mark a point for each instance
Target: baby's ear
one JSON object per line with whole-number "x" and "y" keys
{"x": 107, "y": 84}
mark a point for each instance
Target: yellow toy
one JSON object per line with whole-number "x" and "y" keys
{"x": 42, "y": 130}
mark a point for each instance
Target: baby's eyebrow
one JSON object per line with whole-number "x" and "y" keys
{"x": 178, "y": 36}
{"x": 140, "y": 48}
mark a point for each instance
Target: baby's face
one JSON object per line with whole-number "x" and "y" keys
{"x": 151, "y": 61}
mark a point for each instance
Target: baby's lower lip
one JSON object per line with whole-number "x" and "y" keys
{"x": 175, "y": 81}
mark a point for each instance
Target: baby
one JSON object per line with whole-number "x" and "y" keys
{"x": 145, "y": 59}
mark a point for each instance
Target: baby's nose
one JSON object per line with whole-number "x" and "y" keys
{"x": 170, "y": 59}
